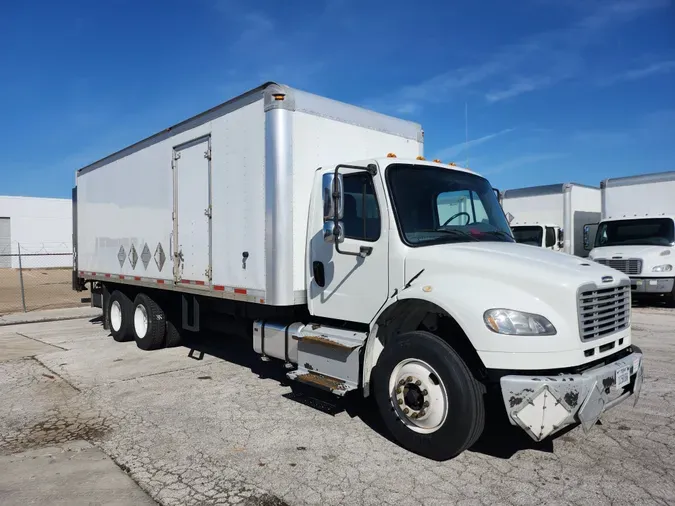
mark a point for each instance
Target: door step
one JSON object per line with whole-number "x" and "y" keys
{"x": 333, "y": 385}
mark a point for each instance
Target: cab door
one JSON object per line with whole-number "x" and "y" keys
{"x": 350, "y": 281}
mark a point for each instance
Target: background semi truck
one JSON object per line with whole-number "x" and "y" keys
{"x": 552, "y": 216}
{"x": 636, "y": 234}
{"x": 316, "y": 230}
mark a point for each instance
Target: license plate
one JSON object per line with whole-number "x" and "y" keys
{"x": 653, "y": 282}
{"x": 622, "y": 377}
{"x": 638, "y": 282}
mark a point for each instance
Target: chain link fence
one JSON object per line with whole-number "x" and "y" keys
{"x": 36, "y": 276}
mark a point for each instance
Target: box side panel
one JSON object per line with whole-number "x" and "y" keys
{"x": 541, "y": 209}
{"x": 129, "y": 203}
{"x": 122, "y": 207}
{"x": 320, "y": 141}
{"x": 649, "y": 199}
{"x": 238, "y": 195}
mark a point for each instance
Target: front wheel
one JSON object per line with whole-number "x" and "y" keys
{"x": 427, "y": 396}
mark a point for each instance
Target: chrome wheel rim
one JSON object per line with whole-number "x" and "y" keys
{"x": 418, "y": 396}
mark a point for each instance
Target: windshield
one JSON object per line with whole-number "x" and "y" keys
{"x": 648, "y": 232}
{"x": 528, "y": 235}
{"x": 435, "y": 205}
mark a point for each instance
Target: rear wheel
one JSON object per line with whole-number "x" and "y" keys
{"x": 428, "y": 398}
{"x": 120, "y": 310}
{"x": 149, "y": 323}
{"x": 173, "y": 335}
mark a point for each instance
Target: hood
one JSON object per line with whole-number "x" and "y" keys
{"x": 637, "y": 251}
{"x": 512, "y": 262}
{"x": 651, "y": 256}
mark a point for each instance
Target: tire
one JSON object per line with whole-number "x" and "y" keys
{"x": 448, "y": 400}
{"x": 173, "y": 336}
{"x": 149, "y": 323}
{"x": 120, "y": 317}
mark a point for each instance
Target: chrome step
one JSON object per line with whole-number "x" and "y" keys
{"x": 333, "y": 385}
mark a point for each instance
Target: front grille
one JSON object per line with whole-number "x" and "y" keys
{"x": 626, "y": 265}
{"x": 603, "y": 311}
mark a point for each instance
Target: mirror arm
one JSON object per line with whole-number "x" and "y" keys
{"x": 364, "y": 251}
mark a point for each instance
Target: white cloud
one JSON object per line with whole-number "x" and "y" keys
{"x": 657, "y": 68}
{"x": 459, "y": 148}
{"x": 536, "y": 62}
{"x": 522, "y": 161}
{"x": 408, "y": 108}
{"x": 518, "y": 87}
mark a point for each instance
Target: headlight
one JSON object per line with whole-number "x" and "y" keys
{"x": 517, "y": 323}
{"x": 662, "y": 268}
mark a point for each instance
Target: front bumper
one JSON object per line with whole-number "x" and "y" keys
{"x": 542, "y": 405}
{"x": 652, "y": 285}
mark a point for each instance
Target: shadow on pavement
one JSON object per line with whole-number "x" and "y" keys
{"x": 500, "y": 439}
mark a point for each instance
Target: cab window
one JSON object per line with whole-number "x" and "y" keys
{"x": 361, "y": 217}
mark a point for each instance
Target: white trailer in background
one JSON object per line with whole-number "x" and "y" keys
{"x": 316, "y": 230}
{"x": 637, "y": 232}
{"x": 552, "y": 216}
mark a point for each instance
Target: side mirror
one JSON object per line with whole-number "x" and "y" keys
{"x": 498, "y": 194}
{"x": 333, "y": 196}
{"x": 587, "y": 242}
{"x": 561, "y": 239}
{"x": 333, "y": 208}
{"x": 333, "y": 234}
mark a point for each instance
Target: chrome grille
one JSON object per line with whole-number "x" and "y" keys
{"x": 626, "y": 265}
{"x": 603, "y": 311}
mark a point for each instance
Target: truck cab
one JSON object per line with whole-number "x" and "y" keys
{"x": 644, "y": 249}
{"x": 548, "y": 236}
{"x": 636, "y": 234}
{"x": 421, "y": 255}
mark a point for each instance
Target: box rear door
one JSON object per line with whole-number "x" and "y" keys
{"x": 192, "y": 212}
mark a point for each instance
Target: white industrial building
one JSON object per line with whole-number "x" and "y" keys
{"x": 41, "y": 226}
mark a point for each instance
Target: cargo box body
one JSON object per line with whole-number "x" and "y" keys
{"x": 568, "y": 206}
{"x": 219, "y": 203}
{"x": 646, "y": 195}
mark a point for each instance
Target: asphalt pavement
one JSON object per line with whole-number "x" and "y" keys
{"x": 229, "y": 429}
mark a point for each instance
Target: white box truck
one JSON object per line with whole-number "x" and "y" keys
{"x": 316, "y": 230}
{"x": 552, "y": 216}
{"x": 636, "y": 234}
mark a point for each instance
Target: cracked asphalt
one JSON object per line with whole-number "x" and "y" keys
{"x": 229, "y": 429}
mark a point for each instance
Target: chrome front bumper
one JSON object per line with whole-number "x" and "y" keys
{"x": 542, "y": 405}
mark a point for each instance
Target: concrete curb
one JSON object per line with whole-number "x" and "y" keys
{"x": 49, "y": 316}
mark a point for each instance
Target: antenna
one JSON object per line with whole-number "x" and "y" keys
{"x": 466, "y": 132}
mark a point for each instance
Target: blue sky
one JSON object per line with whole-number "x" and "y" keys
{"x": 556, "y": 90}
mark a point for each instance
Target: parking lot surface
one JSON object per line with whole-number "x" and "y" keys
{"x": 229, "y": 429}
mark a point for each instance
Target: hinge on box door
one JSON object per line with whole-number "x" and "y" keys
{"x": 176, "y": 155}
{"x": 208, "y": 212}
{"x": 208, "y": 272}
{"x": 207, "y": 154}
